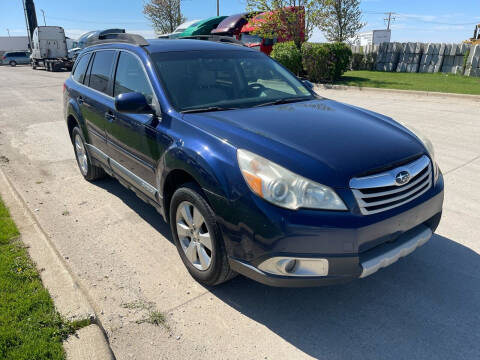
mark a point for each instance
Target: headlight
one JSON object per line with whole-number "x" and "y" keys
{"x": 284, "y": 188}
{"x": 429, "y": 146}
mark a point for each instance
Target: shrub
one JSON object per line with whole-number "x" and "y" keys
{"x": 361, "y": 61}
{"x": 288, "y": 54}
{"x": 358, "y": 60}
{"x": 325, "y": 62}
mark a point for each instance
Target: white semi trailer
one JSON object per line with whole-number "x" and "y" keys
{"x": 49, "y": 49}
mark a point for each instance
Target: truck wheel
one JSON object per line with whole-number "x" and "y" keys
{"x": 47, "y": 66}
{"x": 197, "y": 236}
{"x": 34, "y": 65}
{"x": 90, "y": 172}
{"x": 13, "y": 63}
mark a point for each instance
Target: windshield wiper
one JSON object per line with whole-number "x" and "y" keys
{"x": 284, "y": 101}
{"x": 210, "y": 108}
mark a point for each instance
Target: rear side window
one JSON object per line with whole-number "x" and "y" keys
{"x": 81, "y": 68}
{"x": 101, "y": 70}
{"x": 130, "y": 77}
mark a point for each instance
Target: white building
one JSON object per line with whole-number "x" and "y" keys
{"x": 374, "y": 37}
{"x": 9, "y": 43}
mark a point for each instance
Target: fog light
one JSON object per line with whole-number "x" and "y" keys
{"x": 289, "y": 266}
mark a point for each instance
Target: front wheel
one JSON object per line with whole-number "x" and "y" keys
{"x": 197, "y": 237}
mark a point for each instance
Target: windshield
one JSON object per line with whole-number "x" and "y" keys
{"x": 225, "y": 79}
{"x": 250, "y": 39}
{"x": 185, "y": 26}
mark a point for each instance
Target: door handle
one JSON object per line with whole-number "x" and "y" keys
{"x": 109, "y": 116}
{"x": 80, "y": 100}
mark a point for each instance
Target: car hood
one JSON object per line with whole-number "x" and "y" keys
{"x": 323, "y": 140}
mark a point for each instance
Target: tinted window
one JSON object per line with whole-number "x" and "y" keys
{"x": 81, "y": 68}
{"x": 130, "y": 77}
{"x": 101, "y": 70}
{"x": 239, "y": 79}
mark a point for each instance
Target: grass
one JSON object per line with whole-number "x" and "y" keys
{"x": 153, "y": 317}
{"x": 438, "y": 82}
{"x": 30, "y": 327}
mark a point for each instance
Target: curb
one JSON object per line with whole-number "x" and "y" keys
{"x": 69, "y": 296}
{"x": 397, "y": 91}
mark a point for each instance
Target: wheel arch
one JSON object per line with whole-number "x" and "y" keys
{"x": 180, "y": 166}
{"x": 73, "y": 118}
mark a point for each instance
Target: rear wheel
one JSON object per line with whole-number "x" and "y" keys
{"x": 90, "y": 172}
{"x": 13, "y": 63}
{"x": 197, "y": 237}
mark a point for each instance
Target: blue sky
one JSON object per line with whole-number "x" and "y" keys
{"x": 415, "y": 20}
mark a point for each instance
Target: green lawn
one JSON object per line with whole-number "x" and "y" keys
{"x": 30, "y": 327}
{"x": 412, "y": 81}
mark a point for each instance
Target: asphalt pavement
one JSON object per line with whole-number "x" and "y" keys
{"x": 425, "y": 306}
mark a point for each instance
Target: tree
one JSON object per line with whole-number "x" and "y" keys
{"x": 279, "y": 21}
{"x": 340, "y": 20}
{"x": 165, "y": 15}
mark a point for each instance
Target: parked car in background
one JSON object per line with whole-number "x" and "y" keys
{"x": 232, "y": 25}
{"x": 180, "y": 29}
{"x": 265, "y": 45}
{"x": 13, "y": 58}
{"x": 202, "y": 27}
{"x": 255, "y": 173}
{"x": 73, "y": 53}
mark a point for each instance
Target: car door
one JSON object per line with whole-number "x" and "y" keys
{"x": 96, "y": 102}
{"x": 134, "y": 140}
{"x": 25, "y": 58}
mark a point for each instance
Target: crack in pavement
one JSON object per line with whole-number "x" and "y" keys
{"x": 463, "y": 165}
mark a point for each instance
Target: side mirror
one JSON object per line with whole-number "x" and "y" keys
{"x": 308, "y": 84}
{"x": 134, "y": 103}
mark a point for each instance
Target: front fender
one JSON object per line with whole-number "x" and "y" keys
{"x": 213, "y": 166}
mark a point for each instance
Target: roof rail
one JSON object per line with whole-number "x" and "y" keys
{"x": 216, "y": 38}
{"x": 112, "y": 37}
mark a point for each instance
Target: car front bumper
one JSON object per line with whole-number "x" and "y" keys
{"x": 344, "y": 269}
{"x": 355, "y": 246}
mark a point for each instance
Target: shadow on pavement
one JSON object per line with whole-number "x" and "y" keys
{"x": 426, "y": 306}
{"x": 147, "y": 212}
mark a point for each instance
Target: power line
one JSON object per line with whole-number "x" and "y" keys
{"x": 417, "y": 18}
{"x": 389, "y": 19}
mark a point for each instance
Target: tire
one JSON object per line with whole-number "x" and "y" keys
{"x": 34, "y": 65}
{"x": 218, "y": 269}
{"x": 13, "y": 63}
{"x": 90, "y": 172}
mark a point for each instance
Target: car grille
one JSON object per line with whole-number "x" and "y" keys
{"x": 381, "y": 192}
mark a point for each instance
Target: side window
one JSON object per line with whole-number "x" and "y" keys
{"x": 81, "y": 68}
{"x": 130, "y": 77}
{"x": 101, "y": 70}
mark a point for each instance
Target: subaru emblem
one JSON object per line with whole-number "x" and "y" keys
{"x": 402, "y": 177}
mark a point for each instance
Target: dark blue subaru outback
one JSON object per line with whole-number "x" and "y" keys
{"x": 255, "y": 173}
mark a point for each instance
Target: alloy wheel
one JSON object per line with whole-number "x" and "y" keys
{"x": 81, "y": 155}
{"x": 194, "y": 235}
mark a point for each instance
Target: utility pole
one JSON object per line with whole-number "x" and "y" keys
{"x": 44, "y": 22}
{"x": 8, "y": 31}
{"x": 218, "y": 7}
{"x": 389, "y": 19}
